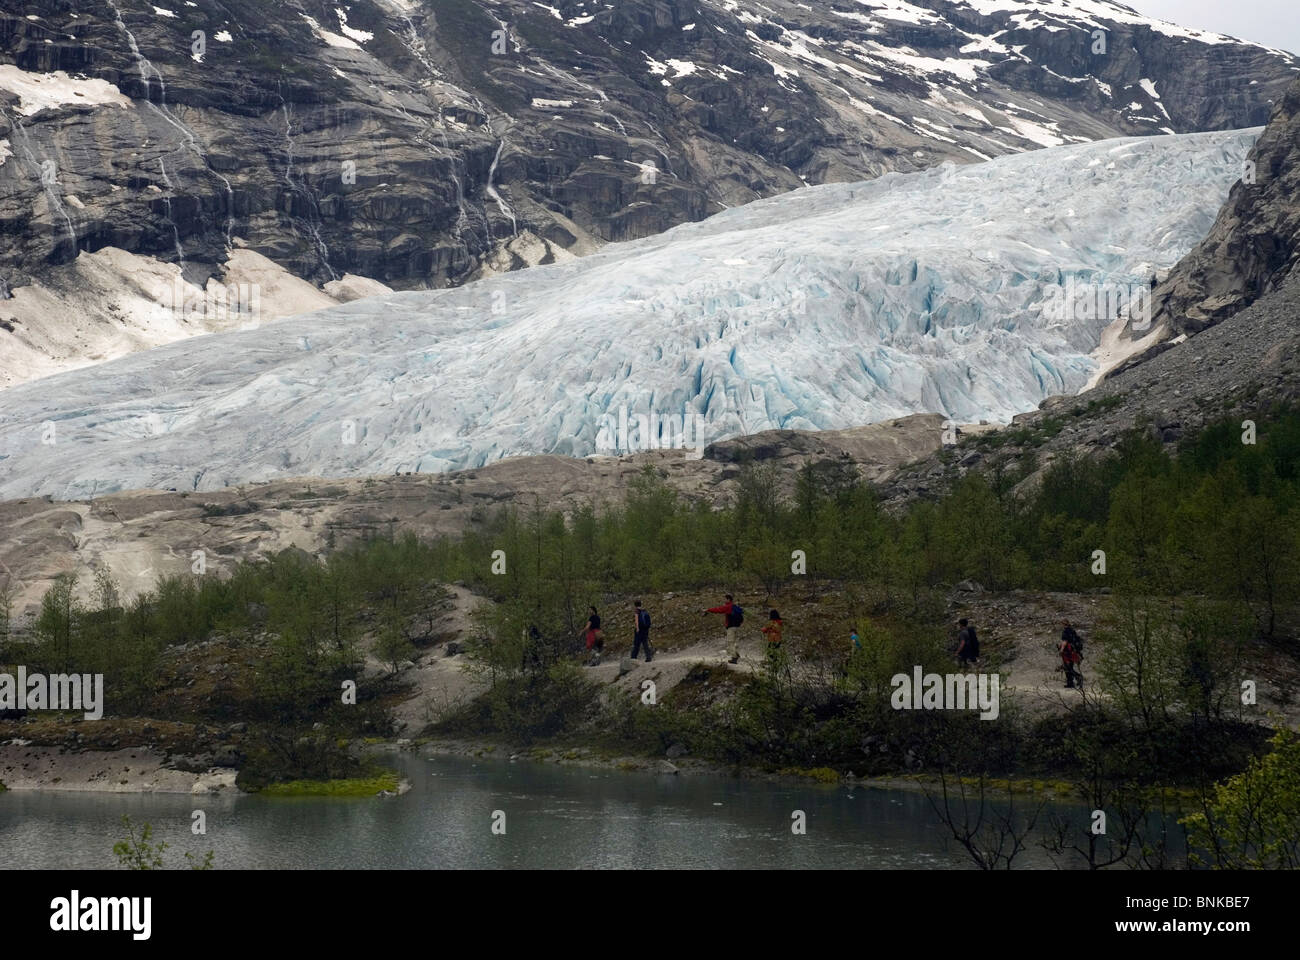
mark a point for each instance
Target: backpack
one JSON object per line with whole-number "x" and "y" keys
{"x": 643, "y": 621}
{"x": 1076, "y": 641}
{"x": 737, "y": 614}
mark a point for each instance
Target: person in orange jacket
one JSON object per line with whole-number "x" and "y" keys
{"x": 773, "y": 633}
{"x": 773, "y": 630}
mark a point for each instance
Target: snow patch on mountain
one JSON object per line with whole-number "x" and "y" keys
{"x": 37, "y": 91}
{"x": 1095, "y": 13}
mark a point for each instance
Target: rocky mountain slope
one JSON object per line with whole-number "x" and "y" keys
{"x": 423, "y": 142}
{"x": 1254, "y": 245}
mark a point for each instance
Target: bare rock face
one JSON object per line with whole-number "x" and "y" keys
{"x": 1254, "y": 245}
{"x": 420, "y": 143}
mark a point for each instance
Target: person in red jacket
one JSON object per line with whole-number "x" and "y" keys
{"x": 731, "y": 615}
{"x": 1070, "y": 659}
{"x": 595, "y": 637}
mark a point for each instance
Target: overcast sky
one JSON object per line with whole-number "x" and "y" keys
{"x": 1275, "y": 23}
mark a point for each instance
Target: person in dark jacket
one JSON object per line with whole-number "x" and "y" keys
{"x": 641, "y": 632}
{"x": 532, "y": 652}
{"x": 968, "y": 644}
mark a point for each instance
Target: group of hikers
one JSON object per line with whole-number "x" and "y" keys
{"x": 1070, "y": 650}
{"x": 1070, "y": 646}
{"x": 595, "y": 636}
{"x": 733, "y": 615}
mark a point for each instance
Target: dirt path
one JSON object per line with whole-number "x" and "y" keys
{"x": 440, "y": 682}
{"x": 1019, "y": 633}
{"x": 669, "y": 668}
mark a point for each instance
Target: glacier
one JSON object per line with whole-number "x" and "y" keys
{"x": 827, "y": 307}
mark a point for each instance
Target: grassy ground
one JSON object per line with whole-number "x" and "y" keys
{"x": 356, "y": 787}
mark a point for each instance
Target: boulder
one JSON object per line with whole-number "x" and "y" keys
{"x": 198, "y": 763}
{"x": 228, "y": 755}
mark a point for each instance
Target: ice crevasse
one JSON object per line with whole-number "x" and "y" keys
{"x": 828, "y": 307}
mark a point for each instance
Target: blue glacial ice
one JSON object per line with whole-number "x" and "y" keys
{"x": 828, "y": 307}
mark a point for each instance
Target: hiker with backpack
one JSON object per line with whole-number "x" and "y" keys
{"x": 1071, "y": 650}
{"x": 1071, "y": 636}
{"x": 595, "y": 637}
{"x": 733, "y": 616}
{"x": 641, "y": 632}
{"x": 968, "y": 644}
